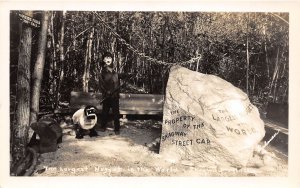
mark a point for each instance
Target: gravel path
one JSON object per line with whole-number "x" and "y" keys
{"x": 126, "y": 155}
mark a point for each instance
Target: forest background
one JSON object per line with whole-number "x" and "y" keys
{"x": 250, "y": 50}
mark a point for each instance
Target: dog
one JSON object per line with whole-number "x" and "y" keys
{"x": 85, "y": 119}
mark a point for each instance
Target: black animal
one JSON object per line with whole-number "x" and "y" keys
{"x": 50, "y": 135}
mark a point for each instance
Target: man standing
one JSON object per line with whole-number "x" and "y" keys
{"x": 110, "y": 89}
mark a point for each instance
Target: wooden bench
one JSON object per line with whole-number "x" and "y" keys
{"x": 140, "y": 104}
{"x": 276, "y": 126}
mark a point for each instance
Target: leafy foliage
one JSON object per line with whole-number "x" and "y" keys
{"x": 219, "y": 37}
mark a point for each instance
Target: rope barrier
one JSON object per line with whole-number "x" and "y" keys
{"x": 142, "y": 55}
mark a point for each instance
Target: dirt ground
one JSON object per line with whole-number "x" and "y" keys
{"x": 126, "y": 155}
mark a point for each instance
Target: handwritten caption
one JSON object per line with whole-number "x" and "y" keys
{"x": 30, "y": 21}
{"x": 110, "y": 170}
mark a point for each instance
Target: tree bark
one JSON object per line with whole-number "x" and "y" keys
{"x": 197, "y": 54}
{"x": 266, "y": 51}
{"x": 62, "y": 37}
{"x": 247, "y": 72}
{"x": 61, "y": 57}
{"x": 118, "y": 44}
{"x": 20, "y": 129}
{"x": 53, "y": 65}
{"x": 39, "y": 68}
{"x": 87, "y": 63}
{"x": 274, "y": 77}
{"x": 166, "y": 18}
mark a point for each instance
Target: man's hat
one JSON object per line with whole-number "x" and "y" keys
{"x": 107, "y": 54}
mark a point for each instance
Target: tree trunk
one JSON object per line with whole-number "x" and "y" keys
{"x": 197, "y": 54}
{"x": 62, "y": 36}
{"x": 118, "y": 44}
{"x": 163, "y": 52}
{"x": 39, "y": 68}
{"x": 61, "y": 57}
{"x": 275, "y": 89}
{"x": 150, "y": 77}
{"x": 274, "y": 78}
{"x": 87, "y": 63}
{"x": 254, "y": 79}
{"x": 247, "y": 73}
{"x": 53, "y": 65}
{"x": 20, "y": 129}
{"x": 97, "y": 58}
{"x": 253, "y": 85}
{"x": 266, "y": 52}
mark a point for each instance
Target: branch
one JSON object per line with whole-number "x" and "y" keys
{"x": 280, "y": 18}
{"x": 267, "y": 143}
{"x": 82, "y": 32}
{"x": 68, "y": 48}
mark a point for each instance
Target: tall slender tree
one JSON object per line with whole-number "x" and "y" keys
{"x": 88, "y": 60}
{"x": 39, "y": 68}
{"x": 248, "y": 56}
{"x": 61, "y": 57}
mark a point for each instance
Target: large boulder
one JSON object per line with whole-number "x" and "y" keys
{"x": 207, "y": 119}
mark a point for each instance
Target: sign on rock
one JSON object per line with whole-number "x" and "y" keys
{"x": 207, "y": 119}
